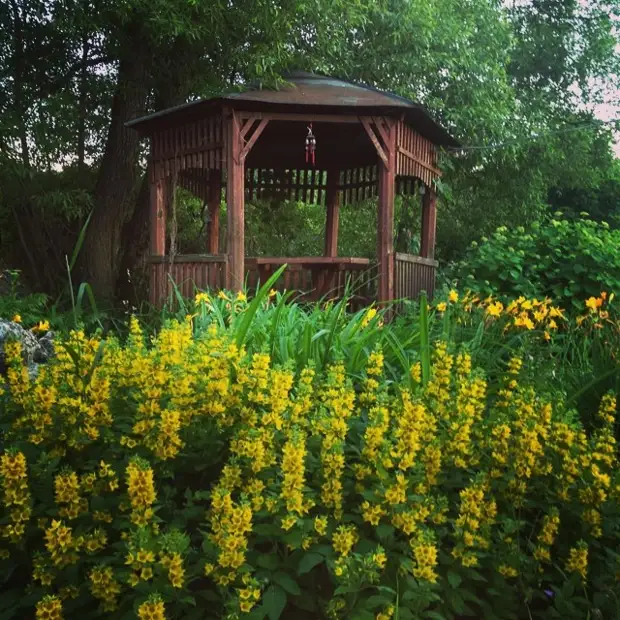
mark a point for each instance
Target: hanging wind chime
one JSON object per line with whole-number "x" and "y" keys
{"x": 310, "y": 145}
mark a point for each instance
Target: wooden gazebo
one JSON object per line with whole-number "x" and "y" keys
{"x": 368, "y": 143}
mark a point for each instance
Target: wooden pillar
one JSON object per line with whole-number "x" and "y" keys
{"x": 333, "y": 213}
{"x": 157, "y": 214}
{"x": 429, "y": 223}
{"x": 215, "y": 196}
{"x": 235, "y": 205}
{"x": 157, "y": 227}
{"x": 385, "y": 220}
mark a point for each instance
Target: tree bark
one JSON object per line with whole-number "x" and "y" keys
{"x": 172, "y": 86}
{"x": 19, "y": 75}
{"x": 81, "y": 143}
{"x": 115, "y": 191}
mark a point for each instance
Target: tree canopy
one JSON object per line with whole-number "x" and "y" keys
{"x": 516, "y": 82}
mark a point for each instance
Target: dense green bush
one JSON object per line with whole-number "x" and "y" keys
{"x": 568, "y": 260}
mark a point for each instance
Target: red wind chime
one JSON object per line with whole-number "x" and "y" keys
{"x": 310, "y": 146}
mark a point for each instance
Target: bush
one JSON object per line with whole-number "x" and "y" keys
{"x": 187, "y": 477}
{"x": 566, "y": 260}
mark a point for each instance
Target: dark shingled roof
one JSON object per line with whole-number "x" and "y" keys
{"x": 304, "y": 92}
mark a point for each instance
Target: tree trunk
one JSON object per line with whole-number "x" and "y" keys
{"x": 82, "y": 111}
{"x": 172, "y": 86}
{"x": 119, "y": 173}
{"x": 19, "y": 75}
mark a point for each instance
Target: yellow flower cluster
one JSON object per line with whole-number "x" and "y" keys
{"x": 230, "y": 525}
{"x": 141, "y": 490}
{"x": 547, "y": 535}
{"x": 67, "y": 489}
{"x": 173, "y": 563}
{"x": 425, "y": 556}
{"x": 476, "y": 515}
{"x": 578, "y": 559}
{"x": 315, "y": 458}
{"x": 16, "y": 497}
{"x": 344, "y": 538}
{"x": 61, "y": 544}
{"x": 141, "y": 562}
{"x": 104, "y": 587}
{"x": 153, "y": 609}
{"x": 293, "y": 455}
{"x": 49, "y": 608}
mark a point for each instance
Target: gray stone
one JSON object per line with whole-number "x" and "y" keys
{"x": 35, "y": 350}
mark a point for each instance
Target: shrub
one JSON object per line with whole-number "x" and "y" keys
{"x": 566, "y": 260}
{"x": 186, "y": 477}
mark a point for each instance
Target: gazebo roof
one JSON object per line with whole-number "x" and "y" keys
{"x": 304, "y": 92}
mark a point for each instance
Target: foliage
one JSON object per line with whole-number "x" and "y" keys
{"x": 221, "y": 466}
{"x": 576, "y": 353}
{"x": 14, "y": 305}
{"x": 567, "y": 260}
{"x": 501, "y": 77}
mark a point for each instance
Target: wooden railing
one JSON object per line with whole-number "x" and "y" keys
{"x": 192, "y": 271}
{"x": 412, "y": 275}
{"x": 189, "y": 272}
{"x": 361, "y": 282}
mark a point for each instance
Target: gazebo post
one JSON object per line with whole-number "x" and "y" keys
{"x": 215, "y": 196}
{"x": 429, "y": 223}
{"x": 157, "y": 227}
{"x": 385, "y": 220}
{"x": 333, "y": 212}
{"x": 235, "y": 205}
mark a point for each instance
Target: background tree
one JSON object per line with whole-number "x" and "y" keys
{"x": 518, "y": 80}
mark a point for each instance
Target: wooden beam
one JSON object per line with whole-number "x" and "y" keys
{"x": 215, "y": 196}
{"x": 422, "y": 163}
{"x": 246, "y": 126}
{"x": 378, "y": 121}
{"x": 235, "y": 205}
{"x": 385, "y": 219}
{"x": 333, "y": 209}
{"x": 429, "y": 223}
{"x": 371, "y": 134}
{"x": 253, "y": 138}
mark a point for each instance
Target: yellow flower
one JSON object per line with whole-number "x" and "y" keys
{"x": 153, "y": 609}
{"x": 578, "y": 559}
{"x": 42, "y": 326}
{"x": 241, "y": 296}
{"x": 201, "y": 297}
{"x": 272, "y": 293}
{"x": 369, "y": 316}
{"x": 17, "y": 318}
{"x": 507, "y": 571}
{"x": 453, "y": 296}
{"x": 222, "y": 295}
{"x": 593, "y": 303}
{"x": 320, "y": 525}
{"x": 441, "y": 306}
{"x": 49, "y": 608}
{"x": 495, "y": 309}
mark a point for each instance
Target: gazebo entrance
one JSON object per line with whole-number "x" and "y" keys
{"x": 254, "y": 144}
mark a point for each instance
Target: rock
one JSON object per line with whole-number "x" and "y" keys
{"x": 35, "y": 350}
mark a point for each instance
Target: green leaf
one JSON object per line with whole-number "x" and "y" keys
{"x": 308, "y": 562}
{"x": 454, "y": 579}
{"x": 384, "y": 530}
{"x": 250, "y": 313}
{"x": 287, "y": 582}
{"x": 274, "y": 601}
{"x": 270, "y": 561}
